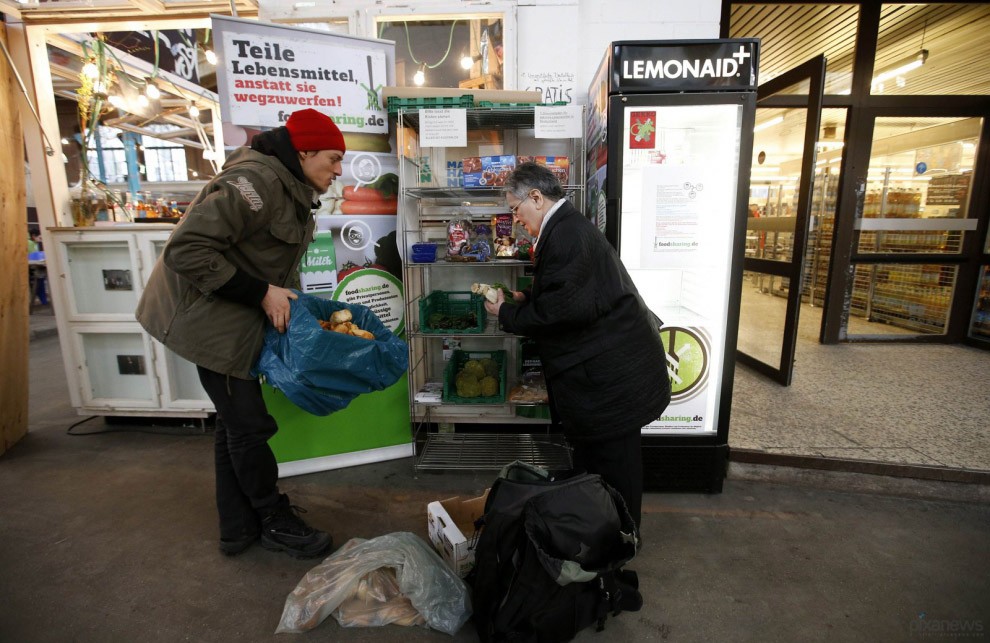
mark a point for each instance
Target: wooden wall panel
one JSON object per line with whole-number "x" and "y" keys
{"x": 14, "y": 322}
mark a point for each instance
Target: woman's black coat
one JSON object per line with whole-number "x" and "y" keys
{"x": 601, "y": 352}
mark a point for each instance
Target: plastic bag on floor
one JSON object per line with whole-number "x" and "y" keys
{"x": 377, "y": 601}
{"x": 433, "y": 591}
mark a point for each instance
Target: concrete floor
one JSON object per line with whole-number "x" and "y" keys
{"x": 112, "y": 537}
{"x": 917, "y": 405}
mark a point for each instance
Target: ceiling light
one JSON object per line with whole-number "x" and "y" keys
{"x": 777, "y": 120}
{"x": 193, "y": 111}
{"x": 419, "y": 78}
{"x": 211, "y": 56}
{"x": 116, "y": 101}
{"x": 151, "y": 90}
{"x": 142, "y": 100}
{"x": 467, "y": 62}
{"x": 901, "y": 67}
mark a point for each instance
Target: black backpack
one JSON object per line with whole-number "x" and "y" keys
{"x": 548, "y": 559}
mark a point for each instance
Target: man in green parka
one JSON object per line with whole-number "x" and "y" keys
{"x": 223, "y": 275}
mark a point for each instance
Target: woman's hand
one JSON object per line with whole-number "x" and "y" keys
{"x": 276, "y": 306}
{"x": 492, "y": 308}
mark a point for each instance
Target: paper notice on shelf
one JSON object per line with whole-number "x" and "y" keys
{"x": 558, "y": 122}
{"x": 443, "y": 128}
{"x": 431, "y": 393}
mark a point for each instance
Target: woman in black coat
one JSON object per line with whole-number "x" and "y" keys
{"x": 602, "y": 356}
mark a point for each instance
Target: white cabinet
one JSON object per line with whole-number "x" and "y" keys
{"x": 432, "y": 194}
{"x": 113, "y": 366}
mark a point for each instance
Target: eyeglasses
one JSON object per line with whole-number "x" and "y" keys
{"x": 514, "y": 208}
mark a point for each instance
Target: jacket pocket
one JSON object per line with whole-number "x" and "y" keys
{"x": 286, "y": 230}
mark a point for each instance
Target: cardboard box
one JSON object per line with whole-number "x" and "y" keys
{"x": 451, "y": 527}
{"x": 487, "y": 171}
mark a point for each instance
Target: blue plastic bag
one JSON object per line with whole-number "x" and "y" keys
{"x": 321, "y": 371}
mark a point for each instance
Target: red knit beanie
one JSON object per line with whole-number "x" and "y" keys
{"x": 313, "y": 130}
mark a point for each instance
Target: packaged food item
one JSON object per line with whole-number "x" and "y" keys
{"x": 559, "y": 165}
{"x": 502, "y": 225}
{"x": 505, "y": 247}
{"x": 488, "y": 171}
{"x": 458, "y": 236}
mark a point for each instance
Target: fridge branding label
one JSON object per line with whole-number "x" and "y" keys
{"x": 696, "y": 68}
{"x": 642, "y": 130}
{"x": 689, "y": 367}
{"x": 683, "y": 66}
{"x": 687, "y": 362}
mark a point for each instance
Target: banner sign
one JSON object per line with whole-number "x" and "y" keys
{"x": 265, "y": 72}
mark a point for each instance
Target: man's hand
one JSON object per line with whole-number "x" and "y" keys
{"x": 276, "y": 306}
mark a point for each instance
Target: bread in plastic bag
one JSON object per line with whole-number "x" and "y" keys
{"x": 377, "y": 601}
{"x": 346, "y": 580}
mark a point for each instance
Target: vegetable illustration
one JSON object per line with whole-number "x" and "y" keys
{"x": 347, "y": 269}
{"x": 388, "y": 206}
{"x": 378, "y": 197}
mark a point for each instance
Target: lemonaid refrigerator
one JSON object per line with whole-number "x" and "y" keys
{"x": 670, "y": 136}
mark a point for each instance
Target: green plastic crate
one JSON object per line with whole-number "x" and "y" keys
{"x": 452, "y": 303}
{"x": 394, "y": 103}
{"x": 494, "y": 105}
{"x": 457, "y": 361}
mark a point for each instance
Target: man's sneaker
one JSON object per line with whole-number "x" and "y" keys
{"x": 283, "y": 530}
{"x": 234, "y": 546}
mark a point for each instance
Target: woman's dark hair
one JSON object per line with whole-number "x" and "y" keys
{"x": 530, "y": 176}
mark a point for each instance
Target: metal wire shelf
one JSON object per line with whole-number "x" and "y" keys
{"x": 492, "y": 451}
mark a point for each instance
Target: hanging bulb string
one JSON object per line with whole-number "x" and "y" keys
{"x": 136, "y": 84}
{"x": 450, "y": 42}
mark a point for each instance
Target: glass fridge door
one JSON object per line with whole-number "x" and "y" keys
{"x": 679, "y": 186}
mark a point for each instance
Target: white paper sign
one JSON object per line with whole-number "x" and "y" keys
{"x": 558, "y": 122}
{"x": 443, "y": 128}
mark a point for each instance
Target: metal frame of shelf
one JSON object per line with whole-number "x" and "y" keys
{"x": 423, "y": 211}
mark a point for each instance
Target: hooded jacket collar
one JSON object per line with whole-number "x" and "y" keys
{"x": 300, "y": 190}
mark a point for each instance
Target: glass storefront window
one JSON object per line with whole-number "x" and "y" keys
{"x": 824, "y": 200}
{"x": 920, "y": 176}
{"x": 446, "y": 53}
{"x": 933, "y": 49}
{"x": 773, "y": 191}
{"x": 901, "y": 299}
{"x": 792, "y": 34}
